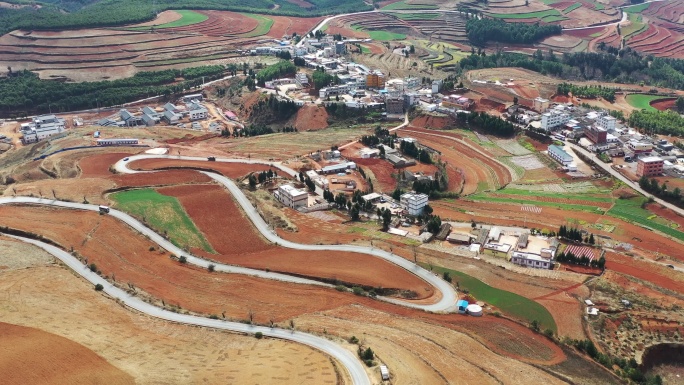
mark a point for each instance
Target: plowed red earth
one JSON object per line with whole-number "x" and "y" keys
{"x": 99, "y": 238}
{"x": 231, "y": 170}
{"x": 98, "y": 165}
{"x": 237, "y": 242}
{"x": 382, "y": 170}
{"x": 32, "y": 356}
{"x": 663, "y": 104}
{"x": 643, "y": 270}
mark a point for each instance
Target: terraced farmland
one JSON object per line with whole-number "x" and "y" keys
{"x": 662, "y": 32}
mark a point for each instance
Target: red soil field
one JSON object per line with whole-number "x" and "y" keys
{"x": 663, "y": 104}
{"x": 32, "y": 356}
{"x": 98, "y": 165}
{"x": 235, "y": 295}
{"x": 311, "y": 118}
{"x": 237, "y": 242}
{"x": 382, "y": 170}
{"x": 231, "y": 170}
{"x": 643, "y": 270}
{"x": 584, "y": 33}
{"x": 374, "y": 48}
{"x": 159, "y": 178}
{"x": 428, "y": 121}
{"x": 284, "y": 25}
{"x": 666, "y": 213}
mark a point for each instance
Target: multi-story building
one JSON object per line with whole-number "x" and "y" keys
{"x": 394, "y": 105}
{"x": 553, "y": 118}
{"x": 41, "y": 127}
{"x": 540, "y": 104}
{"x": 196, "y": 111}
{"x": 414, "y": 203}
{"x": 292, "y": 197}
{"x": 560, "y": 155}
{"x": 376, "y": 79}
{"x": 650, "y": 166}
{"x": 596, "y": 134}
{"x": 637, "y": 147}
{"x": 302, "y": 80}
{"x": 606, "y": 121}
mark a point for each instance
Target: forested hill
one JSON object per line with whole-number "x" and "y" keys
{"x": 72, "y": 14}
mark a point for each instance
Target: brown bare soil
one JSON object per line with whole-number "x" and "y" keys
{"x": 435, "y": 122}
{"x": 664, "y": 104}
{"x": 213, "y": 293}
{"x": 231, "y": 170}
{"x": 237, "y": 242}
{"x": 645, "y": 271}
{"x": 56, "y": 301}
{"x": 284, "y": 25}
{"x": 311, "y": 118}
{"x": 32, "y": 356}
{"x": 162, "y": 18}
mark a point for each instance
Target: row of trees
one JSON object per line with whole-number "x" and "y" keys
{"x": 658, "y": 122}
{"x": 274, "y": 71}
{"x": 581, "y": 261}
{"x": 673, "y": 196}
{"x": 24, "y": 93}
{"x": 482, "y": 30}
{"x": 261, "y": 177}
{"x": 590, "y": 92}
{"x": 323, "y": 79}
{"x": 486, "y": 123}
{"x": 575, "y": 234}
{"x": 410, "y": 149}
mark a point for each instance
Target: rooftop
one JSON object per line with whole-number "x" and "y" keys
{"x": 650, "y": 159}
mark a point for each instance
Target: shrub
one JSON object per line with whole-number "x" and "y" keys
{"x": 99, "y": 287}
{"x": 357, "y": 290}
{"x": 151, "y": 248}
{"x": 369, "y": 363}
{"x": 259, "y": 335}
{"x": 211, "y": 267}
{"x": 183, "y": 259}
{"x": 340, "y": 288}
{"x": 548, "y": 333}
{"x": 447, "y": 276}
{"x": 353, "y": 340}
{"x": 213, "y": 316}
{"x": 93, "y": 267}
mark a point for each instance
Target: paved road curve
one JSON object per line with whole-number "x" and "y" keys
{"x": 342, "y": 355}
{"x": 447, "y": 301}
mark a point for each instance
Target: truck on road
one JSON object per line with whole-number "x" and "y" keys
{"x": 104, "y": 209}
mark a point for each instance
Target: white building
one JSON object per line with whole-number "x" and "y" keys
{"x": 414, "y": 203}
{"x": 196, "y": 111}
{"x": 292, "y": 197}
{"x": 42, "y": 127}
{"x": 606, "y": 122}
{"x": 531, "y": 260}
{"x": 540, "y": 104}
{"x": 553, "y": 118}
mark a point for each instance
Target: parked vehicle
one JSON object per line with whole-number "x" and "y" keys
{"x": 104, "y": 209}
{"x": 211, "y": 158}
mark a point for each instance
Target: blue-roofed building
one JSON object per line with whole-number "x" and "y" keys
{"x": 559, "y": 154}
{"x": 462, "y": 305}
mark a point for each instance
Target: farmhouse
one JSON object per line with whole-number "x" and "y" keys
{"x": 553, "y": 118}
{"x": 540, "y": 104}
{"x": 559, "y": 154}
{"x": 192, "y": 98}
{"x": 394, "y": 105}
{"x": 291, "y": 197}
{"x": 460, "y": 238}
{"x": 414, "y": 203}
{"x": 496, "y": 249}
{"x": 41, "y": 127}
{"x": 196, "y": 111}
{"x": 171, "y": 117}
{"x": 531, "y": 260}
{"x": 337, "y": 168}
{"x": 650, "y": 166}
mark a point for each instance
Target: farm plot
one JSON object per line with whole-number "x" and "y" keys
{"x": 186, "y": 18}
{"x": 528, "y": 162}
{"x": 631, "y": 211}
{"x": 642, "y": 101}
{"x": 512, "y": 146}
{"x": 164, "y": 214}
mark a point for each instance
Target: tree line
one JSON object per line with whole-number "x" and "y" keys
{"x": 24, "y": 93}
{"x": 589, "y": 92}
{"x": 611, "y": 65}
{"x": 575, "y": 234}
{"x": 275, "y": 71}
{"x": 410, "y": 149}
{"x": 486, "y": 123}
{"x": 482, "y": 30}
{"x": 658, "y": 122}
{"x": 581, "y": 261}
{"x": 663, "y": 192}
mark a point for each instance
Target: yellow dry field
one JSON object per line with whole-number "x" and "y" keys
{"x": 37, "y": 293}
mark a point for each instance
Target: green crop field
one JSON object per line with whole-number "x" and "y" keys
{"x": 637, "y": 8}
{"x": 264, "y": 26}
{"x": 164, "y": 214}
{"x": 572, "y": 7}
{"x": 401, "y": 5}
{"x": 187, "y": 18}
{"x": 585, "y": 197}
{"x": 529, "y": 15}
{"x": 642, "y": 101}
{"x": 635, "y": 27}
{"x": 553, "y": 18}
{"x": 365, "y": 49}
{"x": 385, "y": 36}
{"x": 510, "y": 303}
{"x": 630, "y": 210}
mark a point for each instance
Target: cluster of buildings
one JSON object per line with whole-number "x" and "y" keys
{"x": 41, "y": 127}
{"x": 521, "y": 249}
{"x": 598, "y": 132}
{"x": 171, "y": 114}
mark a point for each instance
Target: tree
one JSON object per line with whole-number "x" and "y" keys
{"x": 515, "y": 100}
{"x": 386, "y": 219}
{"x": 99, "y": 287}
{"x": 535, "y": 326}
{"x": 211, "y": 267}
{"x": 446, "y": 276}
{"x": 591, "y": 239}
{"x": 679, "y": 104}
{"x": 354, "y": 212}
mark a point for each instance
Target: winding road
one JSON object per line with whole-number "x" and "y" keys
{"x": 353, "y": 365}
{"x": 345, "y": 357}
